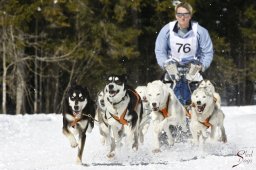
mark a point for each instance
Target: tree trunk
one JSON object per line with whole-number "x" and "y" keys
{"x": 4, "y": 80}
{"x": 20, "y": 73}
{"x": 56, "y": 94}
{"x": 35, "y": 74}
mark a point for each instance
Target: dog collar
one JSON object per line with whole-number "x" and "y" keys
{"x": 116, "y": 102}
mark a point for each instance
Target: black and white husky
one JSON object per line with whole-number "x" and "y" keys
{"x": 124, "y": 113}
{"x": 78, "y": 117}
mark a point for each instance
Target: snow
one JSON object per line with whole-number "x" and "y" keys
{"x": 36, "y": 142}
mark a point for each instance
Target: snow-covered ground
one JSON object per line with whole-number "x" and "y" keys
{"x": 36, "y": 142}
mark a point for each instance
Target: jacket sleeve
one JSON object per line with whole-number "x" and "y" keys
{"x": 161, "y": 46}
{"x": 205, "y": 48}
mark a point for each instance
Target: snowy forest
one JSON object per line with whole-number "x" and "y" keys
{"x": 45, "y": 44}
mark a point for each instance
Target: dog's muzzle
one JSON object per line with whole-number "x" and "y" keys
{"x": 76, "y": 114}
{"x": 113, "y": 92}
{"x": 144, "y": 99}
{"x": 154, "y": 107}
{"x": 200, "y": 108}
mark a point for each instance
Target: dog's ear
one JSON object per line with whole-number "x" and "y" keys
{"x": 200, "y": 82}
{"x": 73, "y": 83}
{"x": 124, "y": 78}
{"x": 106, "y": 76}
{"x": 213, "y": 83}
{"x": 85, "y": 88}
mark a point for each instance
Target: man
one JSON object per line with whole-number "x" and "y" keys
{"x": 183, "y": 48}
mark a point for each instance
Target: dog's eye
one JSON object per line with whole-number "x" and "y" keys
{"x": 158, "y": 94}
{"x": 118, "y": 82}
{"x": 110, "y": 79}
{"x": 149, "y": 94}
{"x": 72, "y": 97}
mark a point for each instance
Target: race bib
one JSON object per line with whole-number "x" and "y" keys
{"x": 184, "y": 49}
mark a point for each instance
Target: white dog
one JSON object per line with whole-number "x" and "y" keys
{"x": 100, "y": 115}
{"x": 142, "y": 91}
{"x": 210, "y": 88}
{"x": 205, "y": 114}
{"x": 166, "y": 111}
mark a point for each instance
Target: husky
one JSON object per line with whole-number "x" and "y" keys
{"x": 124, "y": 112}
{"x": 78, "y": 112}
{"x": 211, "y": 89}
{"x": 142, "y": 91}
{"x": 166, "y": 111}
{"x": 204, "y": 114}
{"x": 100, "y": 115}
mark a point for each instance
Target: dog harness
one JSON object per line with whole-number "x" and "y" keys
{"x": 122, "y": 120}
{"x": 206, "y": 122}
{"x": 164, "y": 111}
{"x": 74, "y": 122}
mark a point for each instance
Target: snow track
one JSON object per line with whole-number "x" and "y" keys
{"x": 35, "y": 142}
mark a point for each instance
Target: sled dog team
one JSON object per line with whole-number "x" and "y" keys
{"x": 124, "y": 114}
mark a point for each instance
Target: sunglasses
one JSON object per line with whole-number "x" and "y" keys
{"x": 182, "y": 15}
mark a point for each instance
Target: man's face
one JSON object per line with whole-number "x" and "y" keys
{"x": 183, "y": 17}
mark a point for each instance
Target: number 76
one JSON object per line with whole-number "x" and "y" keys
{"x": 185, "y": 47}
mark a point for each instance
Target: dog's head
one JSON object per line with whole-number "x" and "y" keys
{"x": 115, "y": 88}
{"x": 78, "y": 97}
{"x": 207, "y": 85}
{"x": 142, "y": 91}
{"x": 155, "y": 94}
{"x": 100, "y": 100}
{"x": 201, "y": 98}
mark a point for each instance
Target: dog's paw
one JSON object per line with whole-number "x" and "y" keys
{"x": 73, "y": 144}
{"x": 156, "y": 150}
{"x": 224, "y": 139}
{"x": 111, "y": 155}
{"x": 78, "y": 161}
{"x": 72, "y": 141}
{"x": 135, "y": 147}
{"x": 170, "y": 142}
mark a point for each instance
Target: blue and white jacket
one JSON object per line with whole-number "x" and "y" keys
{"x": 203, "y": 53}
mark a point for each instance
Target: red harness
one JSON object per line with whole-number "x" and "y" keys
{"x": 74, "y": 122}
{"x": 122, "y": 120}
{"x": 164, "y": 111}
